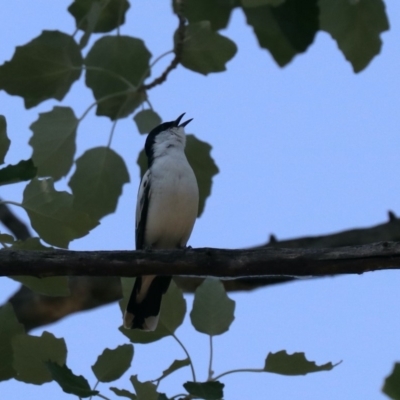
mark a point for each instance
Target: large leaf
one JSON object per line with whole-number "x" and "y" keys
{"x": 213, "y": 310}
{"x": 146, "y": 120}
{"x": 293, "y": 364}
{"x": 52, "y": 286}
{"x": 112, "y": 364}
{"x": 69, "y": 382}
{"x": 53, "y": 142}
{"x": 97, "y": 182}
{"x": 172, "y": 313}
{"x": 144, "y": 390}
{"x": 204, "y": 167}
{"x": 111, "y": 15}
{"x": 42, "y": 69}
{"x": 204, "y": 50}
{"x": 391, "y": 386}
{"x": 30, "y": 353}
{"x": 23, "y": 171}
{"x": 9, "y": 327}
{"x": 205, "y": 390}
{"x": 217, "y": 12}
{"x": 4, "y": 140}
{"x": 356, "y": 26}
{"x": 122, "y": 70}
{"x": 285, "y": 30}
{"x": 52, "y": 215}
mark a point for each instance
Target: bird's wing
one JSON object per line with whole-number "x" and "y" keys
{"x": 142, "y": 207}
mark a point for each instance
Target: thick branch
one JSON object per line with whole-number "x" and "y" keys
{"x": 226, "y": 264}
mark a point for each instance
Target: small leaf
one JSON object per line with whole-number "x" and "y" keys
{"x": 144, "y": 390}
{"x": 111, "y": 15}
{"x": 9, "y": 328}
{"x": 172, "y": 313}
{"x": 4, "y": 140}
{"x": 205, "y": 390}
{"x": 391, "y": 386}
{"x": 177, "y": 364}
{"x": 5, "y": 238}
{"x": 285, "y": 30}
{"x": 217, "y": 12}
{"x": 204, "y": 167}
{"x": 30, "y": 353}
{"x": 69, "y": 382}
{"x": 42, "y": 69}
{"x": 23, "y": 171}
{"x": 29, "y": 244}
{"x": 204, "y": 50}
{"x": 213, "y": 310}
{"x": 112, "y": 364}
{"x": 356, "y": 26}
{"x": 52, "y": 286}
{"x": 294, "y": 364}
{"x": 97, "y": 182}
{"x": 52, "y": 215}
{"x": 123, "y": 70}
{"x": 146, "y": 120}
{"x": 123, "y": 393}
{"x": 53, "y": 142}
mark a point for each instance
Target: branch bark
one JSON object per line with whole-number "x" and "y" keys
{"x": 225, "y": 264}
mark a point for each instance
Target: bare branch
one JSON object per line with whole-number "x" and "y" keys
{"x": 225, "y": 264}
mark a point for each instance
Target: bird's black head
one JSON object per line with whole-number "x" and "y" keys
{"x": 151, "y": 138}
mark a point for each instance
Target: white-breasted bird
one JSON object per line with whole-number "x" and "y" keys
{"x": 166, "y": 210}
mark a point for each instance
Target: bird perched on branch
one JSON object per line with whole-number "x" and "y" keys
{"x": 167, "y": 207}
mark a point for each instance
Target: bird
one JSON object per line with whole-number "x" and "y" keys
{"x": 166, "y": 210}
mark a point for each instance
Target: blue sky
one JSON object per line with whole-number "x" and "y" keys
{"x": 305, "y": 150}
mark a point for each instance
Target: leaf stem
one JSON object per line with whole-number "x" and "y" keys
{"x": 112, "y": 132}
{"x": 233, "y": 371}
{"x": 210, "y": 371}
{"x": 94, "y": 388}
{"x": 14, "y": 203}
{"x": 103, "y": 397}
{"x": 160, "y": 57}
{"x": 187, "y": 354}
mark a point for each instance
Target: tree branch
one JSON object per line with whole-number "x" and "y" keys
{"x": 225, "y": 264}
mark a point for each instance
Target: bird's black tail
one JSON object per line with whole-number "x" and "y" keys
{"x": 144, "y": 304}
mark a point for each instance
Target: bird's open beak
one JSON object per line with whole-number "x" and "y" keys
{"x": 183, "y": 124}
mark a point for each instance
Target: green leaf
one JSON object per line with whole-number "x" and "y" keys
{"x": 285, "y": 30}
{"x": 111, "y": 15}
{"x": 146, "y": 120}
{"x": 23, "y": 171}
{"x": 123, "y": 393}
{"x": 204, "y": 50}
{"x": 177, "y": 364}
{"x": 9, "y": 327}
{"x": 30, "y": 353}
{"x": 391, "y": 386}
{"x": 356, "y": 26}
{"x": 97, "y": 182}
{"x": 213, "y": 310}
{"x": 144, "y": 390}
{"x": 52, "y": 215}
{"x": 205, "y": 390}
{"x": 217, "y": 12}
{"x": 52, "y": 286}
{"x": 204, "y": 167}
{"x": 4, "y": 140}
{"x": 5, "y": 238}
{"x": 112, "y": 364}
{"x": 53, "y": 142}
{"x": 294, "y": 364}
{"x": 42, "y": 69}
{"x": 29, "y": 244}
{"x": 123, "y": 70}
{"x": 258, "y": 3}
{"x": 69, "y": 382}
{"x": 172, "y": 313}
